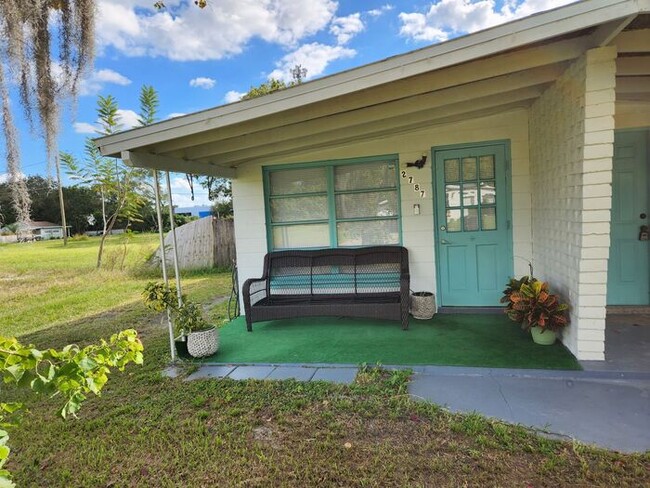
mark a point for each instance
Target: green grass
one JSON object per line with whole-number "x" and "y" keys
{"x": 45, "y": 284}
{"x": 458, "y": 340}
{"x": 147, "y": 430}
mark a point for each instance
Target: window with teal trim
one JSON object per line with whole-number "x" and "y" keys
{"x": 336, "y": 204}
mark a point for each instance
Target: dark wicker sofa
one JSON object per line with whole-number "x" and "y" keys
{"x": 370, "y": 282}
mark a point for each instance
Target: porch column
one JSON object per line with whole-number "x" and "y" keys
{"x": 571, "y": 149}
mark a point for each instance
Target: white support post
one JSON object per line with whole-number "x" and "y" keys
{"x": 163, "y": 260}
{"x": 175, "y": 247}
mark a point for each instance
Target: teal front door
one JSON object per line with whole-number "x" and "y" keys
{"x": 473, "y": 236}
{"x": 628, "y": 277}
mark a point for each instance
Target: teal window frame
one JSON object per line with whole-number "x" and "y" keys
{"x": 331, "y": 193}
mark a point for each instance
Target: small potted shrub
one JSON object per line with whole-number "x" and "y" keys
{"x": 530, "y": 304}
{"x": 195, "y": 335}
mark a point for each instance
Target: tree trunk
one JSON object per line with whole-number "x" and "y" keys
{"x": 107, "y": 230}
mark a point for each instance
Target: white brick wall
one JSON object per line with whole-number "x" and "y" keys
{"x": 571, "y": 146}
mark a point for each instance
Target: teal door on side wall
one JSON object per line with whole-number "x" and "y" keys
{"x": 628, "y": 276}
{"x": 473, "y": 236}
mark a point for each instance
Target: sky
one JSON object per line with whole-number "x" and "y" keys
{"x": 201, "y": 58}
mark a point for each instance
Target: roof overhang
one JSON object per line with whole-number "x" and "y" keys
{"x": 510, "y": 65}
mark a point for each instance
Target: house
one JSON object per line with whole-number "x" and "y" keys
{"x": 535, "y": 135}
{"x": 41, "y": 230}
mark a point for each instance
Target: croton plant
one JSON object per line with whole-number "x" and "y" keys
{"x": 530, "y": 303}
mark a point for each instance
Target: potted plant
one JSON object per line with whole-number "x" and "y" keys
{"x": 423, "y": 305}
{"x": 530, "y": 304}
{"x": 195, "y": 336}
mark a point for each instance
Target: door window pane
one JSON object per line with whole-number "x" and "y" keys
{"x": 306, "y": 180}
{"x": 373, "y": 204}
{"x": 486, "y": 167}
{"x": 470, "y": 219}
{"x": 470, "y": 194}
{"x": 452, "y": 170}
{"x": 368, "y": 233}
{"x": 469, "y": 169}
{"x": 453, "y": 220}
{"x": 488, "y": 193}
{"x": 452, "y": 195}
{"x": 306, "y": 235}
{"x": 365, "y": 176}
{"x": 297, "y": 209}
{"x": 488, "y": 218}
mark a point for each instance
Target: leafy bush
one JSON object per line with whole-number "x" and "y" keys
{"x": 530, "y": 304}
{"x": 72, "y": 373}
{"x": 187, "y": 315}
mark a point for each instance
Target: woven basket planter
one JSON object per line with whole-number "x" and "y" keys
{"x": 203, "y": 343}
{"x": 423, "y": 305}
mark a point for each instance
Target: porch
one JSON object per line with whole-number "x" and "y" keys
{"x": 472, "y": 340}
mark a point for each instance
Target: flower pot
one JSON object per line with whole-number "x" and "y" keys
{"x": 423, "y": 305}
{"x": 203, "y": 342}
{"x": 543, "y": 337}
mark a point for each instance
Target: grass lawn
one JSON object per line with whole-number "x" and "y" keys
{"x": 147, "y": 430}
{"x": 44, "y": 284}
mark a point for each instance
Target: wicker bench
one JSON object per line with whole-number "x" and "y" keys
{"x": 370, "y": 282}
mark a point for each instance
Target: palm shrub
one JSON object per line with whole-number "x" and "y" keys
{"x": 532, "y": 305}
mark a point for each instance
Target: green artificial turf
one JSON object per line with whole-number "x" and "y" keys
{"x": 457, "y": 340}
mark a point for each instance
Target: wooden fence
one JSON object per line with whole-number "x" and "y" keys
{"x": 205, "y": 243}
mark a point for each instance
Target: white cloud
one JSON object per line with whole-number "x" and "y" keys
{"x": 376, "y": 12}
{"x": 173, "y": 115}
{"x": 448, "y": 18}
{"x": 134, "y": 28}
{"x": 203, "y": 82}
{"x": 84, "y": 128}
{"x": 97, "y": 79}
{"x": 233, "y": 96}
{"x": 313, "y": 57}
{"x": 128, "y": 119}
{"x": 345, "y": 28}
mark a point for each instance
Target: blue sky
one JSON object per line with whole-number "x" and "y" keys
{"x": 201, "y": 58}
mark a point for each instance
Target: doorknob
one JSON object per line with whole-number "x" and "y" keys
{"x": 444, "y": 241}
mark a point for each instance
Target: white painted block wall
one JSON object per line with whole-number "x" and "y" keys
{"x": 417, "y": 230}
{"x": 571, "y": 149}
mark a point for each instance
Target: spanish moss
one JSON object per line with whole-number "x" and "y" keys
{"x": 19, "y": 193}
{"x": 30, "y": 32}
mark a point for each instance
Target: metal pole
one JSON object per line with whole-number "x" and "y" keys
{"x": 163, "y": 260}
{"x": 173, "y": 231}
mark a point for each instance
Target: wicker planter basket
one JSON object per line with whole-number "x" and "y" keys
{"x": 423, "y": 305}
{"x": 203, "y": 343}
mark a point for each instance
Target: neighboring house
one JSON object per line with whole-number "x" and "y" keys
{"x": 536, "y": 137}
{"x": 41, "y": 230}
{"x": 199, "y": 211}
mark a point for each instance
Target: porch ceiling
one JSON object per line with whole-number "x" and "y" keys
{"x": 397, "y": 95}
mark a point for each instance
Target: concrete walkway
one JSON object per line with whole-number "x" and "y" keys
{"x": 607, "y": 409}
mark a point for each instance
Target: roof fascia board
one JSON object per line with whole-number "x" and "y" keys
{"x": 515, "y": 34}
